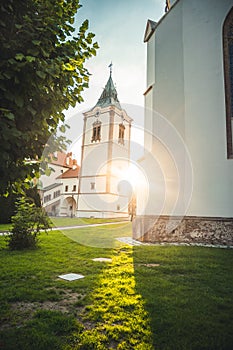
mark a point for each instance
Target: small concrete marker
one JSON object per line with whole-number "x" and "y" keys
{"x": 102, "y": 259}
{"x": 71, "y": 276}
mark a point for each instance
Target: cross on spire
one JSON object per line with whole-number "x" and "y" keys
{"x": 110, "y": 66}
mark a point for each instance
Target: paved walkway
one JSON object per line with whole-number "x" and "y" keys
{"x": 89, "y": 225}
{"x": 61, "y": 228}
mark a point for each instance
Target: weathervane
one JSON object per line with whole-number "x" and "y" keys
{"x": 110, "y": 66}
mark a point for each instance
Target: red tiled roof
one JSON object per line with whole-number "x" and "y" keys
{"x": 63, "y": 159}
{"x": 71, "y": 173}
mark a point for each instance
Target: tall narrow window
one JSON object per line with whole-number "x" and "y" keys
{"x": 96, "y": 131}
{"x": 121, "y": 134}
{"x": 228, "y": 74}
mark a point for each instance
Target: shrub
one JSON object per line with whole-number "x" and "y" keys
{"x": 26, "y": 225}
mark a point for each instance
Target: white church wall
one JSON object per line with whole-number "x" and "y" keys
{"x": 195, "y": 27}
{"x": 150, "y": 62}
{"x": 148, "y": 123}
{"x": 164, "y": 100}
{"x": 93, "y": 184}
{"x": 189, "y": 92}
{"x": 120, "y": 151}
{"x": 91, "y": 163}
{"x": 205, "y": 107}
{"x": 102, "y": 206}
{"x": 168, "y": 92}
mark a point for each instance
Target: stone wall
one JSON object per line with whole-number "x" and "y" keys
{"x": 205, "y": 230}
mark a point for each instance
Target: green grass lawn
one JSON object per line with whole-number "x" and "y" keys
{"x": 100, "y": 236}
{"x": 66, "y": 221}
{"x": 189, "y": 295}
{"x": 148, "y": 297}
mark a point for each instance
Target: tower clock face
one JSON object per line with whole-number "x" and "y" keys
{"x": 97, "y": 115}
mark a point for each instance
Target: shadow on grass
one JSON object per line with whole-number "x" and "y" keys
{"x": 188, "y": 295}
{"x": 101, "y": 236}
{"x": 148, "y": 297}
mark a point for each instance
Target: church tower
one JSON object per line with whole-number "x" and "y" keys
{"x": 105, "y": 157}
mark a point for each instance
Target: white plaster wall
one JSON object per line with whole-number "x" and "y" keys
{"x": 114, "y": 183}
{"x": 100, "y": 184}
{"x": 189, "y": 92}
{"x": 95, "y": 156}
{"x": 70, "y": 182}
{"x": 120, "y": 151}
{"x": 148, "y": 124}
{"x": 168, "y": 92}
{"x": 150, "y": 61}
{"x": 101, "y": 203}
{"x": 51, "y": 192}
{"x": 205, "y": 126}
{"x": 164, "y": 102}
{"x": 50, "y": 180}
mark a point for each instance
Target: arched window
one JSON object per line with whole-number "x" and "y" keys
{"x": 96, "y": 131}
{"x": 121, "y": 134}
{"x": 228, "y": 74}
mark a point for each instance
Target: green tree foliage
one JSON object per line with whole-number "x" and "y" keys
{"x": 7, "y": 203}
{"x": 7, "y": 208}
{"x": 26, "y": 224}
{"x": 41, "y": 73}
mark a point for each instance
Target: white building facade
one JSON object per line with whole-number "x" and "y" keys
{"x": 52, "y": 188}
{"x": 69, "y": 191}
{"x": 188, "y": 124}
{"x": 105, "y": 155}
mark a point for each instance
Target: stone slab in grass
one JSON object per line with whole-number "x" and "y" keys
{"x": 102, "y": 259}
{"x": 71, "y": 276}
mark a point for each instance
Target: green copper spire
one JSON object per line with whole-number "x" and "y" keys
{"x": 109, "y": 95}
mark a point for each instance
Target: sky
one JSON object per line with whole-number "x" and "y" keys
{"x": 119, "y": 26}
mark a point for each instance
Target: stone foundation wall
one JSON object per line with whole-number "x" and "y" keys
{"x": 205, "y": 230}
